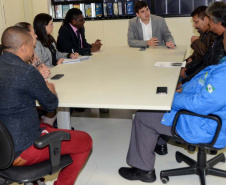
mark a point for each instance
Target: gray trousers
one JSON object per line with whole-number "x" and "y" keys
{"x": 146, "y": 129}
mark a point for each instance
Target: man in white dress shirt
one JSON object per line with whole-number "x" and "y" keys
{"x": 148, "y": 30}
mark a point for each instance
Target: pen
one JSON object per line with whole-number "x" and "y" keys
{"x": 73, "y": 51}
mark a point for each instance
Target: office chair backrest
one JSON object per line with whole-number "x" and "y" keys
{"x": 6, "y": 147}
{"x": 1, "y": 49}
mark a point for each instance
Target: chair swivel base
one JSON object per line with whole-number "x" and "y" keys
{"x": 200, "y": 168}
{"x": 5, "y": 182}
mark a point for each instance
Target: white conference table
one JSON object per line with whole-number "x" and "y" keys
{"x": 118, "y": 78}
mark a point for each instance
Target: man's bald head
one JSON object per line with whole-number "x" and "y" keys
{"x": 14, "y": 37}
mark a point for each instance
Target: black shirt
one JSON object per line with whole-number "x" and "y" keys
{"x": 211, "y": 57}
{"x": 20, "y": 85}
{"x": 53, "y": 53}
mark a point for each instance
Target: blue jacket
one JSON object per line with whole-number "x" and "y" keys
{"x": 204, "y": 94}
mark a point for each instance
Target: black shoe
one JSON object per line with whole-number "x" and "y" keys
{"x": 55, "y": 124}
{"x": 104, "y": 110}
{"x": 161, "y": 149}
{"x": 137, "y": 174}
{"x": 212, "y": 152}
{"x": 80, "y": 109}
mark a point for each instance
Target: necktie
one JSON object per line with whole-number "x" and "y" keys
{"x": 79, "y": 40}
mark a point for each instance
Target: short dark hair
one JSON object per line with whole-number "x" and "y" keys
{"x": 40, "y": 22}
{"x": 72, "y": 14}
{"x": 14, "y": 37}
{"x": 217, "y": 11}
{"x": 139, "y": 5}
{"x": 24, "y": 25}
{"x": 200, "y": 12}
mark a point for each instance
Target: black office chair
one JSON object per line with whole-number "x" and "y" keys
{"x": 202, "y": 167}
{"x": 28, "y": 174}
{"x": 1, "y": 49}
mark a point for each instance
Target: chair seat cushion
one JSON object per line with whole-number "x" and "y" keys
{"x": 21, "y": 174}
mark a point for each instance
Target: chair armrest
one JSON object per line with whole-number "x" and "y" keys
{"x": 53, "y": 140}
{"x": 210, "y": 116}
{"x": 52, "y": 137}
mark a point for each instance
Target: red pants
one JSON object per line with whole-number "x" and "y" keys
{"x": 78, "y": 148}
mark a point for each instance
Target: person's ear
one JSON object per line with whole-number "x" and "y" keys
{"x": 137, "y": 14}
{"x": 22, "y": 52}
{"x": 73, "y": 22}
{"x": 23, "y": 48}
{"x": 206, "y": 19}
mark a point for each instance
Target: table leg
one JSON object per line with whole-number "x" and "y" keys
{"x": 64, "y": 118}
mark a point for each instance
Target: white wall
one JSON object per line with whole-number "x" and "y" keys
{"x": 11, "y": 12}
{"x": 40, "y": 6}
{"x": 28, "y": 11}
{"x": 2, "y": 19}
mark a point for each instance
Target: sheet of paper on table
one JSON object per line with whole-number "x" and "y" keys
{"x": 71, "y": 60}
{"x": 84, "y": 58}
{"x": 170, "y": 64}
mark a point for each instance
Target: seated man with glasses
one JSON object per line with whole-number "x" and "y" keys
{"x": 71, "y": 36}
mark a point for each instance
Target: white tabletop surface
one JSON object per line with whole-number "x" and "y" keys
{"x": 121, "y": 78}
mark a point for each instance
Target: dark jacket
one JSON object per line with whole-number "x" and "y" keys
{"x": 201, "y": 45}
{"x": 212, "y": 56}
{"x": 20, "y": 86}
{"x": 67, "y": 40}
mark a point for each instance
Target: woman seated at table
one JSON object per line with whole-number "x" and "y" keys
{"x": 35, "y": 60}
{"x": 46, "y": 44}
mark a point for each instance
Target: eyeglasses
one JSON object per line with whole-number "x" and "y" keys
{"x": 81, "y": 20}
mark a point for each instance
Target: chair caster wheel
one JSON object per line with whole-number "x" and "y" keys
{"x": 5, "y": 182}
{"x": 165, "y": 179}
{"x": 178, "y": 158}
